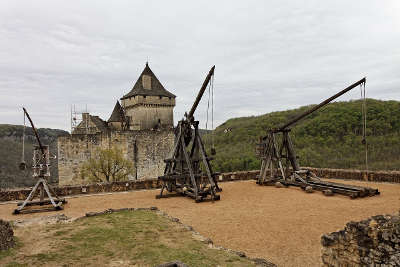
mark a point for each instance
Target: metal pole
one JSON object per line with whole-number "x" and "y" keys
{"x": 363, "y": 80}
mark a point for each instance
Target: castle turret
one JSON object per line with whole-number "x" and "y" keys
{"x": 117, "y": 118}
{"x": 91, "y": 125}
{"x": 148, "y": 105}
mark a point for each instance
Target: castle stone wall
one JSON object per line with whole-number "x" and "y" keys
{"x": 149, "y": 116}
{"x": 147, "y": 150}
{"x": 146, "y": 111}
{"x": 139, "y": 99}
{"x": 371, "y": 242}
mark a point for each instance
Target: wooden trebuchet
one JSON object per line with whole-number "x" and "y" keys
{"x": 190, "y": 173}
{"x": 41, "y": 171}
{"x": 279, "y": 161}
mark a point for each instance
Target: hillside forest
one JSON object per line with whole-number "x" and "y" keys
{"x": 328, "y": 138}
{"x": 11, "y": 154}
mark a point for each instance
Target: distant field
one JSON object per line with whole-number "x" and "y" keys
{"x": 127, "y": 238}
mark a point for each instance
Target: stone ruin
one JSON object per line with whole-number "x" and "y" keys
{"x": 6, "y": 235}
{"x": 371, "y": 242}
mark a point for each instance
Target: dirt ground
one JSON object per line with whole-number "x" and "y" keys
{"x": 283, "y": 225}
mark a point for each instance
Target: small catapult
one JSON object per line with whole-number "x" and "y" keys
{"x": 41, "y": 171}
{"x": 190, "y": 173}
{"x": 289, "y": 173}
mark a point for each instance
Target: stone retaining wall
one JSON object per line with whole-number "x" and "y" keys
{"x": 373, "y": 176}
{"x": 22, "y": 194}
{"x": 372, "y": 242}
{"x": 347, "y": 174}
{"x": 376, "y": 176}
{"x": 6, "y": 235}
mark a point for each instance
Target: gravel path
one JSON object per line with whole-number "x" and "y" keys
{"x": 283, "y": 225}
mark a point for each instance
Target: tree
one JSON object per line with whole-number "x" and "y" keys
{"x": 107, "y": 165}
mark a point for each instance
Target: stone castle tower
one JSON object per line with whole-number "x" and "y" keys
{"x": 148, "y": 105}
{"x": 142, "y": 127}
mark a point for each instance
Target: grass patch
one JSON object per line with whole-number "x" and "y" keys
{"x": 140, "y": 238}
{"x": 16, "y": 264}
{"x": 11, "y": 251}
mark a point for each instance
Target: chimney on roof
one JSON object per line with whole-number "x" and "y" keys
{"x": 85, "y": 116}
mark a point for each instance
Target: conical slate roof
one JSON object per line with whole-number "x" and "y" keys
{"x": 155, "y": 88}
{"x": 117, "y": 115}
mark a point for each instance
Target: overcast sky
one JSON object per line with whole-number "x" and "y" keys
{"x": 269, "y": 55}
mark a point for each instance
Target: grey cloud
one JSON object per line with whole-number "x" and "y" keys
{"x": 269, "y": 55}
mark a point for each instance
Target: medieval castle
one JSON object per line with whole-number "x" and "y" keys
{"x": 141, "y": 126}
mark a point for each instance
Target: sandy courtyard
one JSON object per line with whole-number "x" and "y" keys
{"x": 282, "y": 225}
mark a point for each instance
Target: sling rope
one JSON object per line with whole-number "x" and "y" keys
{"x": 212, "y": 114}
{"x": 23, "y": 141}
{"x": 364, "y": 122}
{"x": 211, "y": 97}
{"x": 208, "y": 103}
{"x": 22, "y": 165}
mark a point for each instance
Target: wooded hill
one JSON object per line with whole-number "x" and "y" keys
{"x": 330, "y": 137}
{"x": 11, "y": 154}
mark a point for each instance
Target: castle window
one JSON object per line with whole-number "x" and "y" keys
{"x": 146, "y": 82}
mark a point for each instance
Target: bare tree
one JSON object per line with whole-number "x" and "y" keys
{"x": 107, "y": 165}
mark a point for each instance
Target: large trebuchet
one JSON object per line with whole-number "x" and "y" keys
{"x": 279, "y": 161}
{"x": 188, "y": 172}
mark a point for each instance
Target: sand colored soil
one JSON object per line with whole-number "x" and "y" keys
{"x": 283, "y": 225}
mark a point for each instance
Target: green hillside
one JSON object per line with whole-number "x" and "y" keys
{"x": 11, "y": 154}
{"x": 330, "y": 137}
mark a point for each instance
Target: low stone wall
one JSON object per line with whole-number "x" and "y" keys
{"x": 6, "y": 235}
{"x": 376, "y": 176}
{"x": 372, "y": 242}
{"x": 373, "y": 176}
{"x": 348, "y": 174}
{"x": 61, "y": 191}
{"x": 22, "y": 194}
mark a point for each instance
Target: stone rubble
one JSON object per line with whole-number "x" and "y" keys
{"x": 371, "y": 242}
{"x": 52, "y": 219}
{"x": 7, "y": 240}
